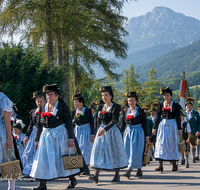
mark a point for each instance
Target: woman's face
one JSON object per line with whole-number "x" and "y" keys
{"x": 132, "y": 102}
{"x": 167, "y": 97}
{"x": 77, "y": 104}
{"x": 106, "y": 97}
{"x": 39, "y": 102}
{"x": 51, "y": 97}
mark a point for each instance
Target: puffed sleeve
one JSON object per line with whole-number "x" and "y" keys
{"x": 123, "y": 123}
{"x": 73, "y": 114}
{"x": 177, "y": 115}
{"x": 6, "y": 104}
{"x": 158, "y": 116}
{"x": 91, "y": 121}
{"x": 30, "y": 126}
{"x": 144, "y": 122}
{"x": 68, "y": 121}
{"x": 39, "y": 126}
{"x": 115, "y": 117}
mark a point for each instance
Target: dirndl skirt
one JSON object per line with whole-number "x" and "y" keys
{"x": 167, "y": 141}
{"x": 82, "y": 134}
{"x": 3, "y": 138}
{"x": 134, "y": 145}
{"x": 29, "y": 153}
{"x": 48, "y": 163}
{"x": 108, "y": 151}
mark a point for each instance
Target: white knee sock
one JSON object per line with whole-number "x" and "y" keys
{"x": 11, "y": 184}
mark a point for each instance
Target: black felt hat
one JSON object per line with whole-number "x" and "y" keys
{"x": 51, "y": 88}
{"x": 165, "y": 90}
{"x": 77, "y": 96}
{"x": 38, "y": 93}
{"x": 131, "y": 94}
{"x": 106, "y": 88}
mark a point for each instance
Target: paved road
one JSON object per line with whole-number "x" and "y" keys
{"x": 184, "y": 178}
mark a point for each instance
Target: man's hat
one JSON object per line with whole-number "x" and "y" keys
{"x": 19, "y": 124}
{"x": 93, "y": 104}
{"x": 189, "y": 100}
{"x": 51, "y": 88}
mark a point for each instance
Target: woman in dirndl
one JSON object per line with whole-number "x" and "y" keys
{"x": 84, "y": 128}
{"x": 169, "y": 130}
{"x": 135, "y": 130}
{"x": 54, "y": 135}
{"x": 6, "y": 139}
{"x": 29, "y": 152}
{"x": 108, "y": 152}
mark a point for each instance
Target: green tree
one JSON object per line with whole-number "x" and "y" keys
{"x": 130, "y": 83}
{"x": 152, "y": 89}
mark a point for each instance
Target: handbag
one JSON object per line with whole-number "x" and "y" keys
{"x": 146, "y": 156}
{"x": 72, "y": 161}
{"x": 182, "y": 146}
{"x": 11, "y": 169}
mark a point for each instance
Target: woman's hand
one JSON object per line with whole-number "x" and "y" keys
{"x": 197, "y": 133}
{"x": 180, "y": 133}
{"x": 101, "y": 132}
{"x": 9, "y": 143}
{"x": 147, "y": 140}
{"x": 71, "y": 143}
{"x": 154, "y": 131}
{"x": 188, "y": 140}
{"x": 92, "y": 138}
{"x": 36, "y": 145}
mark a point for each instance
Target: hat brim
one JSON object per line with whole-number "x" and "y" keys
{"x": 55, "y": 90}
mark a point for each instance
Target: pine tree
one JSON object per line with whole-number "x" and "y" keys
{"x": 152, "y": 89}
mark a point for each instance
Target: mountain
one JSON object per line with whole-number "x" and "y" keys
{"x": 160, "y": 26}
{"x": 144, "y": 56}
{"x": 171, "y": 66}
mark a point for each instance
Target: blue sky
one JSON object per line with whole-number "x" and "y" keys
{"x": 141, "y": 7}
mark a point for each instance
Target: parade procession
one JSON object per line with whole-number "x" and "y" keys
{"x": 99, "y": 94}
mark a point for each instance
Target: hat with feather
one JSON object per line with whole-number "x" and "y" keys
{"x": 19, "y": 124}
{"x": 37, "y": 94}
{"x": 154, "y": 106}
{"x": 165, "y": 90}
{"x": 189, "y": 100}
{"x": 93, "y": 105}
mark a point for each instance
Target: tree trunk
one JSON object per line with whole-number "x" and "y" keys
{"x": 66, "y": 82}
{"x": 59, "y": 51}
{"x": 75, "y": 57}
{"x": 49, "y": 42}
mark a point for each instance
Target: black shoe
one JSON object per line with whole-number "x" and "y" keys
{"x": 128, "y": 175}
{"x": 86, "y": 172}
{"x": 72, "y": 184}
{"x": 116, "y": 179}
{"x": 187, "y": 165}
{"x": 194, "y": 161}
{"x": 40, "y": 187}
{"x": 138, "y": 174}
{"x": 94, "y": 178}
{"x": 159, "y": 169}
{"x": 151, "y": 159}
{"x": 174, "y": 169}
{"x": 183, "y": 162}
{"x": 196, "y": 158}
